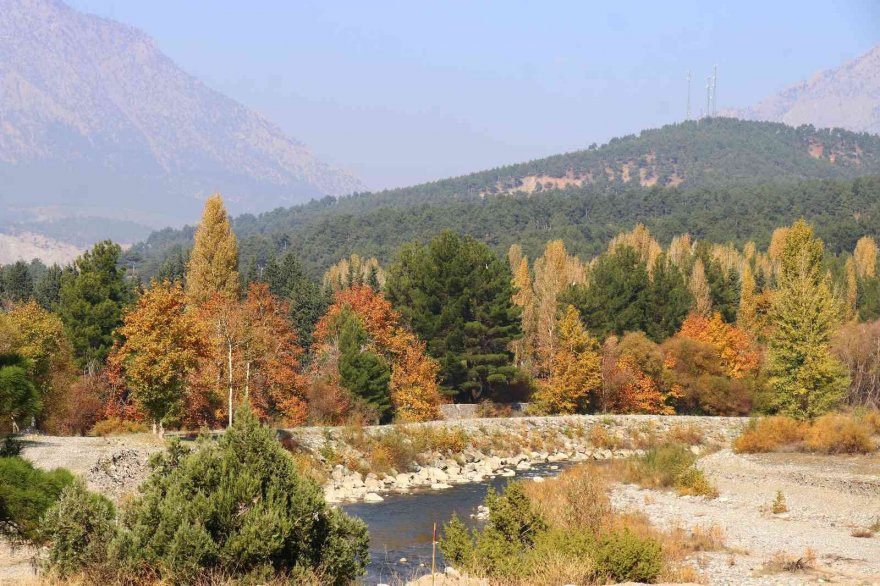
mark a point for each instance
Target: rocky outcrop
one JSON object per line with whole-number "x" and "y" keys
{"x": 498, "y": 447}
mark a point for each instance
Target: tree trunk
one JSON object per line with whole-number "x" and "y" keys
{"x": 154, "y": 427}
{"x": 247, "y": 379}
{"x": 229, "y": 364}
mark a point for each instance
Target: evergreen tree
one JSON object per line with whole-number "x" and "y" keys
{"x": 92, "y": 297}
{"x": 213, "y": 262}
{"x": 361, "y": 371}
{"x": 806, "y": 379}
{"x": 456, "y": 294}
{"x": 174, "y": 267}
{"x": 723, "y": 289}
{"x": 668, "y": 301}
{"x": 616, "y": 298}
{"x": 869, "y": 298}
{"x": 18, "y": 285}
{"x": 19, "y": 396}
{"x": 308, "y": 303}
{"x": 47, "y": 289}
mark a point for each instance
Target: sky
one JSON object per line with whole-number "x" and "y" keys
{"x": 406, "y": 92}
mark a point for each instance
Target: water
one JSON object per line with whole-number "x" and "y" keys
{"x": 401, "y": 525}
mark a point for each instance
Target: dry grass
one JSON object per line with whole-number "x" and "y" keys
{"x": 862, "y": 532}
{"x": 834, "y": 433}
{"x": 784, "y": 562}
{"x": 688, "y": 434}
{"x": 840, "y": 434}
{"x": 117, "y": 426}
{"x": 601, "y": 438}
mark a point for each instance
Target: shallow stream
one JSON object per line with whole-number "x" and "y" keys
{"x": 401, "y": 525}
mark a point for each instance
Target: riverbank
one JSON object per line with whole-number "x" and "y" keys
{"x": 365, "y": 463}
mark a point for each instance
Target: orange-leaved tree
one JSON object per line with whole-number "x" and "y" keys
{"x": 162, "y": 344}
{"x": 414, "y": 391}
{"x": 735, "y": 347}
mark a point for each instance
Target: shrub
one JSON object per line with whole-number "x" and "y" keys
{"x": 117, "y": 426}
{"x": 235, "y": 507}
{"x": 11, "y": 446}
{"x": 623, "y": 556}
{"x": 670, "y": 466}
{"x": 839, "y": 434}
{"x": 602, "y": 438}
{"x": 689, "y": 435}
{"x": 769, "y": 434}
{"x": 576, "y": 499}
{"x": 78, "y": 527}
{"x": 26, "y": 493}
{"x": 779, "y": 505}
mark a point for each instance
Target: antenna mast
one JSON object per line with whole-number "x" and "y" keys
{"x": 715, "y": 90}
{"x": 688, "y": 111}
{"x": 709, "y": 97}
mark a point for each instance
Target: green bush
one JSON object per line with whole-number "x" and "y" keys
{"x": 671, "y": 466}
{"x": 26, "y": 493}
{"x": 236, "y": 507}
{"x": 623, "y": 556}
{"x": 79, "y": 527}
{"x": 457, "y": 544}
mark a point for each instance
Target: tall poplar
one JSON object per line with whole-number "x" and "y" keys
{"x": 213, "y": 263}
{"x": 804, "y": 376}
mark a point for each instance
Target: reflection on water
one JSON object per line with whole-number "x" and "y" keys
{"x": 401, "y": 525}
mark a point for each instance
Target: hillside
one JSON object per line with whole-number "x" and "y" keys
{"x": 96, "y": 120}
{"x": 737, "y": 180}
{"x": 844, "y": 97}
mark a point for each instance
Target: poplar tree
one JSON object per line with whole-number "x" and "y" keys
{"x": 748, "y": 304}
{"x": 804, "y": 376}
{"x": 699, "y": 288}
{"x": 213, "y": 263}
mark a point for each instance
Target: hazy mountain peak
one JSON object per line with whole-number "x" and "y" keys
{"x": 844, "y": 97}
{"x": 93, "y": 114}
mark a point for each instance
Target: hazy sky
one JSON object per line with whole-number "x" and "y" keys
{"x": 405, "y": 92}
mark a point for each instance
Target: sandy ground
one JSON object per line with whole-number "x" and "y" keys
{"x": 827, "y": 497}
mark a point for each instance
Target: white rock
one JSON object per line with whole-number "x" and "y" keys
{"x": 439, "y": 486}
{"x": 372, "y": 497}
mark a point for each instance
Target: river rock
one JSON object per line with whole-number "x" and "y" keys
{"x": 372, "y": 497}
{"x": 439, "y": 486}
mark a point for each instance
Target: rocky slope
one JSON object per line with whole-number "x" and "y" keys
{"x": 845, "y": 97}
{"x": 93, "y": 115}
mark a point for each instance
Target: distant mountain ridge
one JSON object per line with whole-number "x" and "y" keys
{"x": 94, "y": 116}
{"x": 844, "y": 97}
{"x": 695, "y": 175}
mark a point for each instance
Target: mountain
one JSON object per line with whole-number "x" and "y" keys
{"x": 717, "y": 178}
{"x": 845, "y": 97}
{"x": 96, "y": 121}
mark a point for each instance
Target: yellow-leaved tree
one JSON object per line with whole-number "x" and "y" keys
{"x": 575, "y": 368}
{"x": 213, "y": 263}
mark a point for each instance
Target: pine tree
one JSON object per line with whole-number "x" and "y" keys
{"x": 47, "y": 289}
{"x": 616, "y": 298}
{"x": 806, "y": 379}
{"x": 668, "y": 301}
{"x": 288, "y": 280}
{"x": 92, "y": 298}
{"x": 456, "y": 294}
{"x": 363, "y": 372}
{"x": 18, "y": 285}
{"x": 213, "y": 262}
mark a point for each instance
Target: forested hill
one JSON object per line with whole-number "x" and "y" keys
{"x": 727, "y": 178}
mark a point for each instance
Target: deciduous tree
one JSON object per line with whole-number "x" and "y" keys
{"x": 213, "y": 262}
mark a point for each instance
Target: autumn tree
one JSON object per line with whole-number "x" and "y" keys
{"x": 38, "y": 336}
{"x": 555, "y": 270}
{"x": 524, "y": 298}
{"x": 748, "y": 306}
{"x": 575, "y": 369}
{"x": 92, "y": 298}
{"x": 699, "y": 288}
{"x": 412, "y": 388}
{"x": 806, "y": 379}
{"x": 736, "y": 350}
{"x": 850, "y": 309}
{"x": 631, "y": 373}
{"x": 213, "y": 262}
{"x": 354, "y": 271}
{"x": 865, "y": 257}
{"x": 162, "y": 345}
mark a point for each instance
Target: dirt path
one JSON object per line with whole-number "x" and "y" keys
{"x": 827, "y": 498}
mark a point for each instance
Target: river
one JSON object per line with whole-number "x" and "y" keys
{"x": 401, "y": 525}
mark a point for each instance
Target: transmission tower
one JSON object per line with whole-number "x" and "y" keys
{"x": 688, "y": 111}
{"x": 715, "y": 90}
{"x": 709, "y": 97}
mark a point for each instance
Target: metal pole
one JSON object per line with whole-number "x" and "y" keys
{"x": 434, "y": 555}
